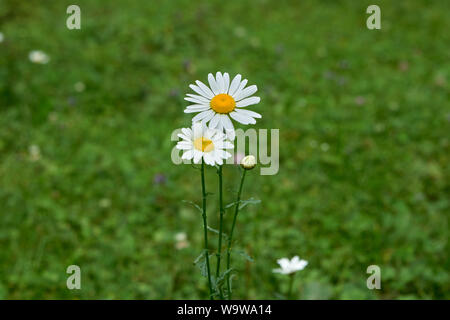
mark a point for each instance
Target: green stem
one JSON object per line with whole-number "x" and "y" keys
{"x": 291, "y": 283}
{"x": 205, "y": 227}
{"x": 219, "y": 249}
{"x": 236, "y": 211}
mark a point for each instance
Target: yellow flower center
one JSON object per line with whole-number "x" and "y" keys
{"x": 223, "y": 103}
{"x": 203, "y": 144}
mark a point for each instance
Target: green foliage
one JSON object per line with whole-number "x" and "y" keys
{"x": 364, "y": 147}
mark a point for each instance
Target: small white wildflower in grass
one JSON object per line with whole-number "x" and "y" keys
{"x": 37, "y": 56}
{"x": 104, "y": 203}
{"x": 203, "y": 143}
{"x": 79, "y": 87}
{"x": 240, "y": 32}
{"x": 290, "y": 266}
{"x": 248, "y": 163}
{"x": 1, "y": 37}
{"x": 221, "y": 101}
{"x": 53, "y": 117}
{"x": 325, "y": 147}
{"x": 181, "y": 241}
{"x": 34, "y": 152}
{"x": 180, "y": 236}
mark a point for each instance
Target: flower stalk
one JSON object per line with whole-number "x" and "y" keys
{"x": 205, "y": 227}
{"x": 291, "y": 285}
{"x": 221, "y": 212}
{"x": 236, "y": 211}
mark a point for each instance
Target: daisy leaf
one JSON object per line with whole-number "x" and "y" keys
{"x": 232, "y": 204}
{"x": 221, "y": 279}
{"x": 243, "y": 203}
{"x": 245, "y": 255}
{"x": 200, "y": 262}
{"x": 193, "y": 204}
{"x": 217, "y": 232}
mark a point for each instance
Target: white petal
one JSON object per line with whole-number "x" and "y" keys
{"x": 219, "y": 126}
{"x": 226, "y": 155}
{"x": 202, "y": 115}
{"x": 185, "y": 143}
{"x": 197, "y": 101}
{"x": 219, "y": 81}
{"x": 228, "y": 126}
{"x": 223, "y": 145}
{"x": 248, "y": 113}
{"x": 214, "y": 121}
{"x": 196, "y": 96}
{"x": 192, "y": 111}
{"x": 240, "y": 118}
{"x": 182, "y": 136}
{"x": 196, "y": 108}
{"x": 208, "y": 157}
{"x": 226, "y": 82}
{"x": 205, "y": 89}
{"x": 198, "y": 90}
{"x": 218, "y": 159}
{"x": 248, "y": 102}
{"x": 240, "y": 88}
{"x": 188, "y": 155}
{"x": 284, "y": 263}
{"x": 187, "y": 132}
{"x": 228, "y": 145}
{"x": 234, "y": 84}
{"x": 197, "y": 129}
{"x": 207, "y": 118}
{"x": 213, "y": 84}
{"x": 218, "y": 136}
{"x": 210, "y": 134}
{"x": 247, "y": 92}
{"x": 183, "y": 146}
{"x": 222, "y": 154}
{"x": 197, "y": 156}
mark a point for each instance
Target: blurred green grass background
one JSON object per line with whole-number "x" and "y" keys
{"x": 86, "y": 176}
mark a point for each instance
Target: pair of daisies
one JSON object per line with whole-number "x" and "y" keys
{"x": 216, "y": 106}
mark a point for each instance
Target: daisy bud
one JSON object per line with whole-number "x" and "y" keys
{"x": 248, "y": 163}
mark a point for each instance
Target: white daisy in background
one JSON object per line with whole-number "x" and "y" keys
{"x": 290, "y": 266}
{"x": 37, "y": 56}
{"x": 181, "y": 240}
{"x": 34, "y": 152}
{"x": 79, "y": 86}
{"x": 1, "y": 37}
{"x": 201, "y": 142}
{"x": 221, "y": 101}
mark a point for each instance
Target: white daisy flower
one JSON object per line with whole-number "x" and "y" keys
{"x": 201, "y": 142}
{"x": 222, "y": 100}
{"x": 38, "y": 56}
{"x": 181, "y": 241}
{"x": 290, "y": 266}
